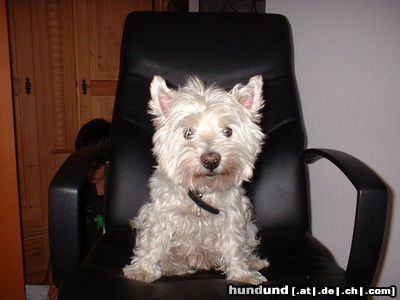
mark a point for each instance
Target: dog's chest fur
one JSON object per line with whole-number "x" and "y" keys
{"x": 191, "y": 223}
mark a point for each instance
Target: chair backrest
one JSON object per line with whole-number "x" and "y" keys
{"x": 219, "y": 48}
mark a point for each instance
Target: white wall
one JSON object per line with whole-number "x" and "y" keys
{"x": 347, "y": 57}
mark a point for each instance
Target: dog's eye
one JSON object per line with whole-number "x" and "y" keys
{"x": 227, "y": 131}
{"x": 188, "y": 134}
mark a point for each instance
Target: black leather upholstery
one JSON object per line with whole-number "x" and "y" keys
{"x": 226, "y": 49}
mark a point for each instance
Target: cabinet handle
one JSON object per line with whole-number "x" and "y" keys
{"x": 84, "y": 87}
{"x": 28, "y": 86}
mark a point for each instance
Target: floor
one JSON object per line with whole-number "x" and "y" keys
{"x": 36, "y": 292}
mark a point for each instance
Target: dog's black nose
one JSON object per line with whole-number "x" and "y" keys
{"x": 210, "y": 160}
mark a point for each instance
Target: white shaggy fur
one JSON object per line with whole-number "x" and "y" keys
{"x": 174, "y": 235}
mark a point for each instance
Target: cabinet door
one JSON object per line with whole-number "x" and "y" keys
{"x": 99, "y": 29}
{"x": 55, "y": 44}
{"x": 46, "y": 114}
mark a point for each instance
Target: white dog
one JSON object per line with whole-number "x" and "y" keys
{"x": 206, "y": 142}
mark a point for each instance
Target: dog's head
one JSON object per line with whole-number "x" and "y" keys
{"x": 205, "y": 137}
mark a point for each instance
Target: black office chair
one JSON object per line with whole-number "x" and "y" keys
{"x": 226, "y": 49}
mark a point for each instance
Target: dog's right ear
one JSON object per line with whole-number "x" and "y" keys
{"x": 160, "y": 97}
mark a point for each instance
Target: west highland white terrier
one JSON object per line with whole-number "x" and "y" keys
{"x": 206, "y": 141}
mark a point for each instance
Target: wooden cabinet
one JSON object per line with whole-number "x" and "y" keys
{"x": 56, "y": 46}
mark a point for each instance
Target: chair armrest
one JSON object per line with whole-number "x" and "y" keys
{"x": 64, "y": 198}
{"x": 370, "y": 213}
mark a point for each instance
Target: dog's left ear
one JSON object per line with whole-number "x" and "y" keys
{"x": 250, "y": 95}
{"x": 159, "y": 104}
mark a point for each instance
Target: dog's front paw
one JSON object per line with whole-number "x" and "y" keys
{"x": 133, "y": 272}
{"x": 253, "y": 277}
{"x": 256, "y": 263}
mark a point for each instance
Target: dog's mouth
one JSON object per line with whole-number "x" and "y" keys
{"x": 211, "y": 174}
{"x": 212, "y": 180}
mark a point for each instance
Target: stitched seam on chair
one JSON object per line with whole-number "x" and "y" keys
{"x": 282, "y": 123}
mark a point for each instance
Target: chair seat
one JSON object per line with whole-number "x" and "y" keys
{"x": 296, "y": 257}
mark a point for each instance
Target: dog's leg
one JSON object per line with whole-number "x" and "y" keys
{"x": 236, "y": 249}
{"x": 174, "y": 268}
{"x": 237, "y": 269}
{"x": 150, "y": 249}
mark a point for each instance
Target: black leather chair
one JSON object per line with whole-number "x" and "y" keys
{"x": 226, "y": 49}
